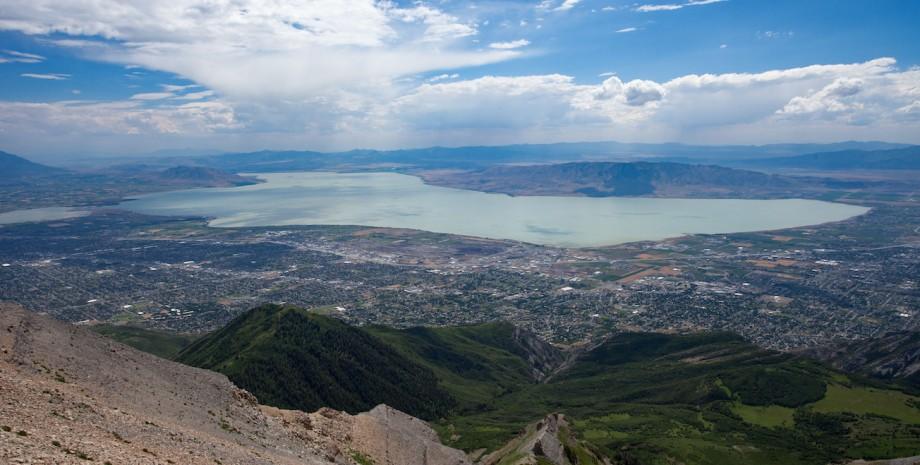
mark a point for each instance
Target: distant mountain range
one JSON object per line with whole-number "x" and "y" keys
{"x": 907, "y": 158}
{"x": 476, "y": 157}
{"x": 607, "y": 179}
{"x": 482, "y": 156}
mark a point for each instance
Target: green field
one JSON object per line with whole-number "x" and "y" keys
{"x": 866, "y": 400}
{"x": 771, "y": 416}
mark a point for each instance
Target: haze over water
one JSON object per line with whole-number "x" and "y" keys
{"x": 401, "y": 201}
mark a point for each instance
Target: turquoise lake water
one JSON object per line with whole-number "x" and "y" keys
{"x": 401, "y": 201}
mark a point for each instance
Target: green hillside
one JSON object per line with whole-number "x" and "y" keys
{"x": 291, "y": 358}
{"x": 160, "y": 343}
{"x": 704, "y": 399}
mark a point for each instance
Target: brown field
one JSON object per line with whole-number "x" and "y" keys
{"x": 773, "y": 263}
{"x": 660, "y": 271}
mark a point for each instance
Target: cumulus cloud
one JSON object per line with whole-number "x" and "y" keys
{"x": 489, "y": 103}
{"x": 873, "y": 96}
{"x": 510, "y": 45}
{"x": 637, "y": 92}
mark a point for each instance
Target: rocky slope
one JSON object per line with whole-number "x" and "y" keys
{"x": 892, "y": 356}
{"x": 71, "y": 396}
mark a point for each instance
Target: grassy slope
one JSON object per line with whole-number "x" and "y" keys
{"x": 160, "y": 343}
{"x": 292, "y": 358}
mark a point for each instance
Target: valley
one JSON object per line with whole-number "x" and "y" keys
{"x": 708, "y": 398}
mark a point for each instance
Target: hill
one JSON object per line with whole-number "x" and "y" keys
{"x": 292, "y": 358}
{"x": 199, "y": 175}
{"x": 907, "y": 158}
{"x": 82, "y": 398}
{"x": 16, "y": 168}
{"x": 604, "y": 179}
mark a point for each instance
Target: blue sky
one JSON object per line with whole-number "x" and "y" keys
{"x": 121, "y": 77}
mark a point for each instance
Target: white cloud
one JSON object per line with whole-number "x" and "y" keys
{"x": 12, "y": 56}
{"x": 443, "y": 77}
{"x": 47, "y": 76}
{"x": 177, "y": 87}
{"x": 80, "y": 118}
{"x": 196, "y": 95}
{"x": 868, "y": 100}
{"x": 152, "y": 96}
{"x": 872, "y": 99}
{"x": 487, "y": 103}
{"x": 439, "y": 25}
{"x": 510, "y": 45}
{"x": 250, "y": 49}
{"x": 567, "y": 5}
{"x": 675, "y": 6}
{"x": 626, "y": 29}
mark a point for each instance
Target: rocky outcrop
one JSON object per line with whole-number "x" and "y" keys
{"x": 384, "y": 436}
{"x": 893, "y": 356}
{"x": 542, "y": 356}
{"x": 548, "y": 440}
{"x": 68, "y": 395}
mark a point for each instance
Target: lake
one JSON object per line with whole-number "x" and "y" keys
{"x": 401, "y": 201}
{"x": 41, "y": 214}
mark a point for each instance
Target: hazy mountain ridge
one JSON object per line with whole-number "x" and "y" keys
{"x": 16, "y": 168}
{"x": 613, "y": 179}
{"x": 907, "y": 158}
{"x": 472, "y": 157}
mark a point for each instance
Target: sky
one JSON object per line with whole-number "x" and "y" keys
{"x": 121, "y": 77}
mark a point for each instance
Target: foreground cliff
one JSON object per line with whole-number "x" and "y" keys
{"x": 70, "y": 396}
